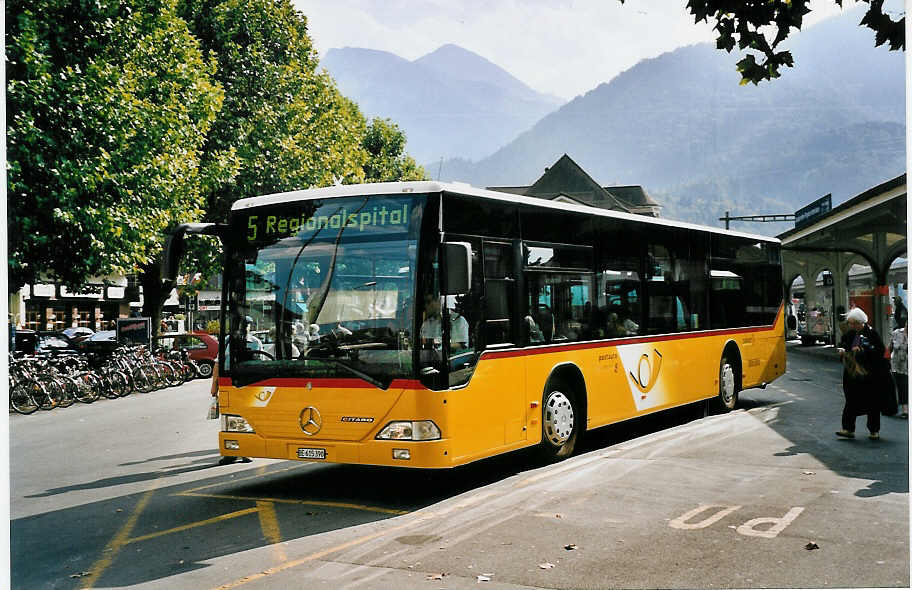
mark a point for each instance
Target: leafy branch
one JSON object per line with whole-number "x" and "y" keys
{"x": 759, "y": 26}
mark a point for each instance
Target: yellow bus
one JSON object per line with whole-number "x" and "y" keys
{"x": 430, "y": 325}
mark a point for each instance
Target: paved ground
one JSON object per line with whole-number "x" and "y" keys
{"x": 126, "y": 493}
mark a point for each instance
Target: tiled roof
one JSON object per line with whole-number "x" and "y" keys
{"x": 565, "y": 178}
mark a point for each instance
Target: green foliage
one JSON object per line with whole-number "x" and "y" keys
{"x": 128, "y": 117}
{"x": 387, "y": 160}
{"x": 745, "y": 23}
{"x": 108, "y": 107}
{"x": 285, "y": 125}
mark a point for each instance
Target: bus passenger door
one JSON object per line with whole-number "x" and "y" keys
{"x": 501, "y": 330}
{"x": 490, "y": 387}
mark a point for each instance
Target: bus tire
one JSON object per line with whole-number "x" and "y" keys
{"x": 727, "y": 398}
{"x": 560, "y": 422}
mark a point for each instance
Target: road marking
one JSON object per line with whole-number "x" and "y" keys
{"x": 568, "y": 466}
{"x": 305, "y": 502}
{"x": 269, "y": 523}
{"x": 192, "y": 525}
{"x": 258, "y": 475}
{"x": 749, "y": 528}
{"x": 313, "y": 556}
{"x": 779, "y": 524}
{"x": 115, "y": 544}
{"x": 682, "y": 524}
{"x": 359, "y": 541}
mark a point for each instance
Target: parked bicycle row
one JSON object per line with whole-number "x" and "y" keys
{"x": 50, "y": 381}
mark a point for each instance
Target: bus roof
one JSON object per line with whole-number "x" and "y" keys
{"x": 394, "y": 188}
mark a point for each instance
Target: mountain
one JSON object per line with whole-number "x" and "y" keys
{"x": 682, "y": 126}
{"x": 449, "y": 103}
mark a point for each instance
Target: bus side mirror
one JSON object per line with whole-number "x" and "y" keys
{"x": 457, "y": 264}
{"x": 174, "y": 245}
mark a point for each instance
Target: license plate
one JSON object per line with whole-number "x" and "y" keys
{"x": 304, "y": 453}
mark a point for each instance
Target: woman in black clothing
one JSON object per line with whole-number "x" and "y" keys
{"x": 862, "y": 352}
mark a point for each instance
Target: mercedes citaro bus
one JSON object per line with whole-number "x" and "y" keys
{"x": 430, "y": 325}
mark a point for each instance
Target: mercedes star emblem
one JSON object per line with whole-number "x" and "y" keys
{"x": 311, "y": 421}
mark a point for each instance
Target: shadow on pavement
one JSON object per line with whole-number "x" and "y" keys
{"x": 178, "y": 528}
{"x": 814, "y": 382}
{"x": 197, "y": 465}
{"x": 57, "y": 549}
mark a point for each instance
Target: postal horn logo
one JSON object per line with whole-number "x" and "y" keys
{"x": 647, "y": 372}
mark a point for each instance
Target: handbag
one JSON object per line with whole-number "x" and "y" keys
{"x": 854, "y": 369}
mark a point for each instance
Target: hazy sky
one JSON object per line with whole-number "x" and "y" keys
{"x": 562, "y": 47}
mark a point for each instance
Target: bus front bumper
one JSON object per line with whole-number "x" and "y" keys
{"x": 398, "y": 453}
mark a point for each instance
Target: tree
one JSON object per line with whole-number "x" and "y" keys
{"x": 285, "y": 125}
{"x": 127, "y": 118}
{"x": 741, "y": 23}
{"x": 387, "y": 160}
{"x": 109, "y": 103}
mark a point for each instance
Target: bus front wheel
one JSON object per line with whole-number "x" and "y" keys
{"x": 728, "y": 386}
{"x": 560, "y": 418}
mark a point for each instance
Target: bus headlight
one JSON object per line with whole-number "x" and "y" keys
{"x": 232, "y": 423}
{"x": 416, "y": 430}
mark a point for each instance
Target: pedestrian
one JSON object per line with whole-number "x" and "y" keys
{"x": 861, "y": 351}
{"x": 899, "y": 363}
{"x": 900, "y": 313}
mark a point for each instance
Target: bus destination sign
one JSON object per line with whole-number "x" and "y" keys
{"x": 269, "y": 226}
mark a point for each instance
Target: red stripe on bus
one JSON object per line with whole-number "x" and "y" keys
{"x": 321, "y": 382}
{"x": 620, "y": 342}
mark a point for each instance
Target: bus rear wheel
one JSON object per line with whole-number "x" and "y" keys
{"x": 560, "y": 418}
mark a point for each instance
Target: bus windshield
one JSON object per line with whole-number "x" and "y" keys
{"x": 324, "y": 288}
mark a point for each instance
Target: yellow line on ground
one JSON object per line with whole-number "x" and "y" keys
{"x": 354, "y": 542}
{"x": 306, "y": 502}
{"x": 569, "y": 465}
{"x": 269, "y": 523}
{"x": 233, "y": 481}
{"x": 115, "y": 544}
{"x": 313, "y": 556}
{"x": 192, "y": 525}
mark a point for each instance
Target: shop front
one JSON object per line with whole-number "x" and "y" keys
{"x": 51, "y": 307}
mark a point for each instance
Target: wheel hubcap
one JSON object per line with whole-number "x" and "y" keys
{"x": 727, "y": 384}
{"x": 558, "y": 420}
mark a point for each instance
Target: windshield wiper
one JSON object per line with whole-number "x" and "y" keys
{"x": 314, "y": 313}
{"x": 384, "y": 384}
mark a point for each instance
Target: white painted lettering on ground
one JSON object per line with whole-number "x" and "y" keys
{"x": 682, "y": 523}
{"x": 749, "y": 528}
{"x": 767, "y": 527}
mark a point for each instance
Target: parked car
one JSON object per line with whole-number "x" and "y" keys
{"x": 26, "y": 341}
{"x": 55, "y": 342}
{"x": 76, "y": 335}
{"x": 32, "y": 342}
{"x": 202, "y": 346}
{"x": 100, "y": 344}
